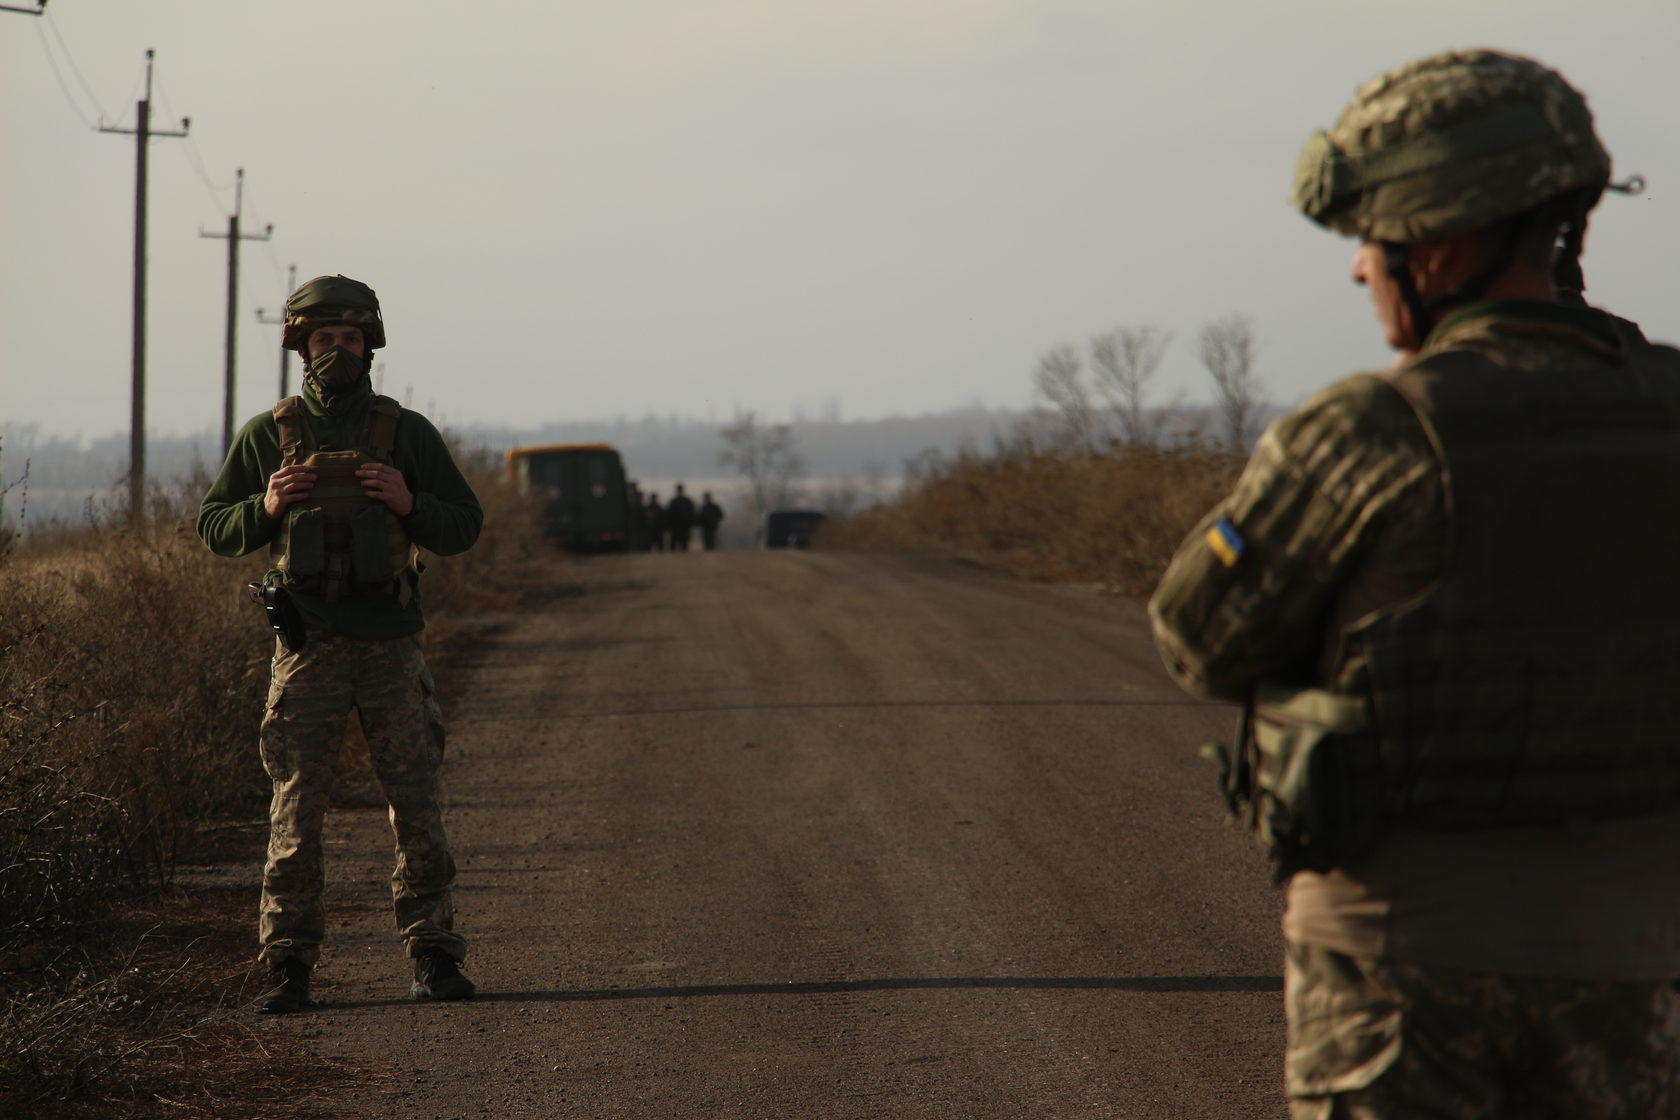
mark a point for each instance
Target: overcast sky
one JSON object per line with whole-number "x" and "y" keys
{"x": 583, "y": 210}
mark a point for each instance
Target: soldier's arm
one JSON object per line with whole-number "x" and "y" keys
{"x": 231, "y": 519}
{"x": 1247, "y": 595}
{"x": 446, "y": 517}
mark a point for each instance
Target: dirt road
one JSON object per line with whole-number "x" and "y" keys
{"x": 820, "y": 835}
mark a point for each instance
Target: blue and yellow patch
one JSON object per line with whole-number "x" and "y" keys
{"x": 1226, "y": 542}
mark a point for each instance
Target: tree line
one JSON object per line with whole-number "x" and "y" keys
{"x": 1103, "y": 395}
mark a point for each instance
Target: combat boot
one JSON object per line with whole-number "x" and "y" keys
{"x": 288, "y": 989}
{"x": 437, "y": 976}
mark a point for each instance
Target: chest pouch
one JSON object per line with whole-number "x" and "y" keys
{"x": 340, "y": 541}
{"x": 306, "y": 546}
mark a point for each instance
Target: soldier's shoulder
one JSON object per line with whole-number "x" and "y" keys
{"x": 261, "y": 425}
{"x": 414, "y": 424}
{"x": 1361, "y": 409}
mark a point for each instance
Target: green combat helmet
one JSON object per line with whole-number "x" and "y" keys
{"x": 331, "y": 301}
{"x": 1458, "y": 141}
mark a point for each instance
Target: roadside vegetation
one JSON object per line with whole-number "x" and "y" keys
{"x": 1103, "y": 486}
{"x": 132, "y": 670}
{"x": 1110, "y": 516}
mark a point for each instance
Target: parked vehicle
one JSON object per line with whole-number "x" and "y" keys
{"x": 585, "y": 495}
{"x": 791, "y": 528}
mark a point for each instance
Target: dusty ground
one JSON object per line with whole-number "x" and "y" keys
{"x": 819, "y": 835}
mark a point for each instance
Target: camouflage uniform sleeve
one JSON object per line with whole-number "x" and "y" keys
{"x": 446, "y": 517}
{"x": 231, "y": 518}
{"x": 1248, "y": 595}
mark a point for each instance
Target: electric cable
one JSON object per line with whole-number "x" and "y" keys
{"x": 69, "y": 98}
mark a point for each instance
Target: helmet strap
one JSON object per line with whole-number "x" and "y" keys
{"x": 1395, "y": 261}
{"x": 1567, "y": 277}
{"x": 1473, "y": 288}
{"x": 1424, "y": 312}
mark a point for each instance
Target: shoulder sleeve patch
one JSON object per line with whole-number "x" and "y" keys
{"x": 1226, "y": 542}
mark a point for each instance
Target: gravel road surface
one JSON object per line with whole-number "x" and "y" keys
{"x": 814, "y": 835}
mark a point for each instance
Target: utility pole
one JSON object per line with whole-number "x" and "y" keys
{"x": 280, "y": 321}
{"x": 230, "y": 361}
{"x": 142, "y": 132}
{"x": 38, "y": 10}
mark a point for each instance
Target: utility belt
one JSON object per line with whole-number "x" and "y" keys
{"x": 1307, "y": 776}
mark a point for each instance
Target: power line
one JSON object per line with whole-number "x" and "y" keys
{"x": 69, "y": 98}
{"x": 71, "y": 58}
{"x": 191, "y": 153}
{"x": 274, "y": 263}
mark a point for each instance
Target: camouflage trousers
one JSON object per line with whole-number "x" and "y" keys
{"x": 1382, "y": 1039}
{"x": 309, "y": 697}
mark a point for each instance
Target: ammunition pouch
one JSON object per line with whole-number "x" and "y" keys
{"x": 370, "y": 547}
{"x": 306, "y": 545}
{"x": 1307, "y": 777}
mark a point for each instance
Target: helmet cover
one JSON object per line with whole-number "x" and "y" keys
{"x": 1447, "y": 144}
{"x": 332, "y": 301}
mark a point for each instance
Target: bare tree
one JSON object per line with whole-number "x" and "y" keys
{"x": 1125, "y": 360}
{"x": 765, "y": 455}
{"x": 1060, "y": 379}
{"x": 1228, "y": 347}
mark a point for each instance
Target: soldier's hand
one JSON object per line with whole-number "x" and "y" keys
{"x": 386, "y": 484}
{"x": 287, "y": 486}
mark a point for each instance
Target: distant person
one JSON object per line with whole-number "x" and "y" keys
{"x": 653, "y": 516}
{"x": 710, "y": 516}
{"x": 340, "y": 485}
{"x": 638, "y": 541}
{"x": 679, "y": 519}
{"x": 1444, "y": 592}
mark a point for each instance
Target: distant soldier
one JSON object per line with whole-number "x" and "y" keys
{"x": 637, "y": 536}
{"x": 340, "y": 485}
{"x": 653, "y": 516}
{"x": 1445, "y": 593}
{"x": 710, "y": 517}
{"x": 679, "y": 519}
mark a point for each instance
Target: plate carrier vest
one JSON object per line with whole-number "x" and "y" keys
{"x": 1538, "y": 680}
{"x": 339, "y": 541}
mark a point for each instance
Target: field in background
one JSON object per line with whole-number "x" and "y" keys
{"x": 1111, "y": 517}
{"x": 132, "y": 671}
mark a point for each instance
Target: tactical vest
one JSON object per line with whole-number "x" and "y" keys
{"x": 339, "y": 541}
{"x": 1538, "y": 680}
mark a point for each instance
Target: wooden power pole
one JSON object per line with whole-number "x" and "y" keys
{"x": 280, "y": 321}
{"x": 230, "y": 359}
{"x": 142, "y": 132}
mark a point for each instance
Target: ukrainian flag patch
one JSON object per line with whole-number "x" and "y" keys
{"x": 1226, "y": 542}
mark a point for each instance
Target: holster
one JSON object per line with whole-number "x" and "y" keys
{"x": 282, "y": 613}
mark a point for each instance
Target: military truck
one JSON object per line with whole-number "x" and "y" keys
{"x": 585, "y": 496}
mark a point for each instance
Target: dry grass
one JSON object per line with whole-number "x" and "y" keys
{"x": 131, "y": 674}
{"x": 1051, "y": 514}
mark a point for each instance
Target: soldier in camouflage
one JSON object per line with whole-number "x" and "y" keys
{"x": 1444, "y": 595}
{"x": 340, "y": 486}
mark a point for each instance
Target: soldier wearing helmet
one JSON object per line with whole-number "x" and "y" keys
{"x": 341, "y": 486}
{"x": 1443, "y": 594}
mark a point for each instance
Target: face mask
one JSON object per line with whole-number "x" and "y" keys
{"x": 337, "y": 370}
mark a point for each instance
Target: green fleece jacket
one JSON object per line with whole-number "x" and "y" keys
{"x": 445, "y": 520}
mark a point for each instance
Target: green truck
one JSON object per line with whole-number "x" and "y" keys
{"x": 586, "y": 498}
